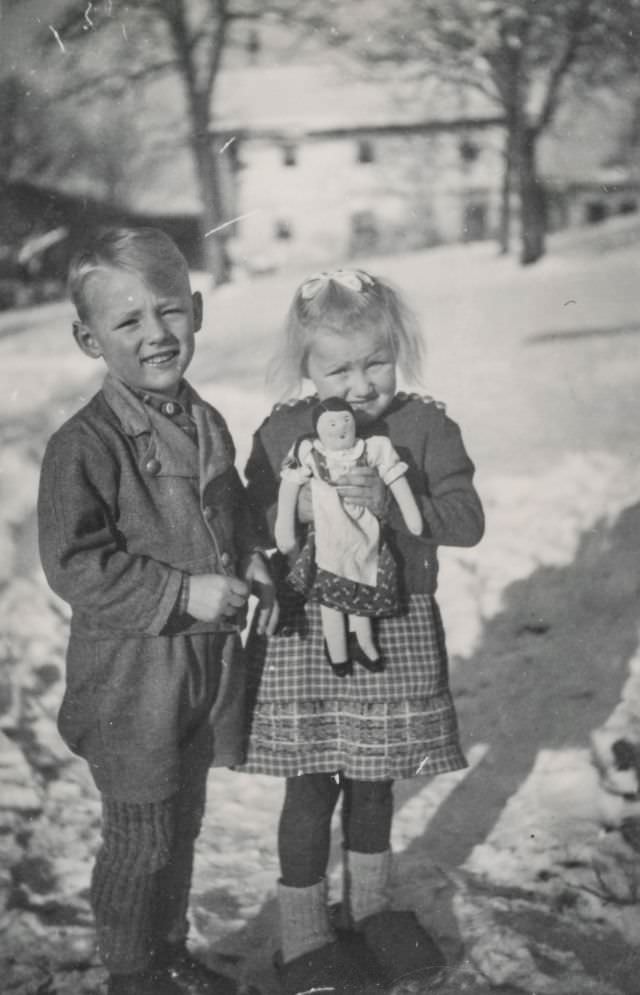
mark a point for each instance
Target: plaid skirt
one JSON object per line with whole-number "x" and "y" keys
{"x": 305, "y": 720}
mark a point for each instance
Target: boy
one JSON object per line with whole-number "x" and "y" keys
{"x": 144, "y": 531}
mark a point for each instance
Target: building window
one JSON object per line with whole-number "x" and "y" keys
{"x": 366, "y": 152}
{"x": 595, "y": 211}
{"x": 628, "y": 206}
{"x": 253, "y": 43}
{"x": 364, "y": 233}
{"x": 469, "y": 151}
{"x": 289, "y": 154}
{"x": 475, "y": 222}
{"x": 282, "y": 230}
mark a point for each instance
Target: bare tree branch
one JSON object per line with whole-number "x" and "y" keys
{"x": 578, "y": 23}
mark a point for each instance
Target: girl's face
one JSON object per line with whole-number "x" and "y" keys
{"x": 358, "y": 367}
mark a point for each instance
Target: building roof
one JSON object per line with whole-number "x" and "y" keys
{"x": 318, "y": 98}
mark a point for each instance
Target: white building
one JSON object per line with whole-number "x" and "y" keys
{"x": 322, "y": 167}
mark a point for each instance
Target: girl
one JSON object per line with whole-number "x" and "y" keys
{"x": 347, "y": 332}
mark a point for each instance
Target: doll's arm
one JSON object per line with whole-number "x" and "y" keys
{"x": 443, "y": 484}
{"x": 407, "y": 503}
{"x": 393, "y": 471}
{"x": 285, "y": 526}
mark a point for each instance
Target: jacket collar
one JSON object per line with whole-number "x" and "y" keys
{"x": 130, "y": 410}
{"x": 169, "y": 447}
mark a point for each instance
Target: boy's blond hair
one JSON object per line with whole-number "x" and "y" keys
{"x": 147, "y": 251}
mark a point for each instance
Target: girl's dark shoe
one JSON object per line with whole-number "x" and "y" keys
{"x": 342, "y": 669}
{"x": 373, "y": 664}
{"x": 328, "y": 968}
{"x": 403, "y": 950}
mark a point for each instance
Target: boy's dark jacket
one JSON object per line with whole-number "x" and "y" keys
{"x": 128, "y": 503}
{"x": 440, "y": 475}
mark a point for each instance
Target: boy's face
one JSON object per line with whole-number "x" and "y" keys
{"x": 144, "y": 333}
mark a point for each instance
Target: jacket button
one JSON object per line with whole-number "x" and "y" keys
{"x": 153, "y": 467}
{"x": 207, "y": 514}
{"x": 225, "y": 559}
{"x": 168, "y": 408}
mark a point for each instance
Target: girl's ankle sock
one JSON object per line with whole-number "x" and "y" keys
{"x": 366, "y": 884}
{"x": 304, "y": 919}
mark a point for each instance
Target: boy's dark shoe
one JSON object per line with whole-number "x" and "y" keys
{"x": 142, "y": 983}
{"x": 329, "y": 968}
{"x": 191, "y": 976}
{"x": 176, "y": 973}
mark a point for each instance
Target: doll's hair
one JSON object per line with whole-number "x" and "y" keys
{"x": 345, "y": 301}
{"x": 329, "y": 404}
{"x": 148, "y": 252}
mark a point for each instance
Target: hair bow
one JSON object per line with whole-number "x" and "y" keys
{"x": 352, "y": 279}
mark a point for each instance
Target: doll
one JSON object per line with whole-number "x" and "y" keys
{"x": 345, "y": 565}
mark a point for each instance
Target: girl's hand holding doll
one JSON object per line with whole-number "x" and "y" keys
{"x": 361, "y": 485}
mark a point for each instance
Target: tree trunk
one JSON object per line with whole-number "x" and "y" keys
{"x": 214, "y": 253}
{"x": 505, "y": 199}
{"x": 532, "y": 205}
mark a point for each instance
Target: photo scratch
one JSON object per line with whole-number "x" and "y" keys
{"x": 231, "y": 221}
{"x": 87, "y": 15}
{"x": 226, "y": 145}
{"x": 57, "y": 38}
{"x": 422, "y": 765}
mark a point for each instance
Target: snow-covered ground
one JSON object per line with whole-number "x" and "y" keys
{"x": 517, "y": 865}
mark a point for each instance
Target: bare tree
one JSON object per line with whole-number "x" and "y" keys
{"x": 115, "y": 45}
{"x": 524, "y": 55}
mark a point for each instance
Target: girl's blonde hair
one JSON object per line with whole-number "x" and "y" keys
{"x": 345, "y": 301}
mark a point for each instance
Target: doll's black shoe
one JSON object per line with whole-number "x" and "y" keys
{"x": 374, "y": 665}
{"x": 342, "y": 669}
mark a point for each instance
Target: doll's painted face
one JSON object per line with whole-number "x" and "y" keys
{"x": 336, "y": 430}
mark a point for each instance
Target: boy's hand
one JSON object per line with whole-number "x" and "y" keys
{"x": 259, "y": 579}
{"x": 364, "y": 485}
{"x": 213, "y": 597}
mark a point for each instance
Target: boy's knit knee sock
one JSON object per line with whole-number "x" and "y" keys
{"x": 366, "y": 883}
{"x": 304, "y": 919}
{"x": 136, "y": 842}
